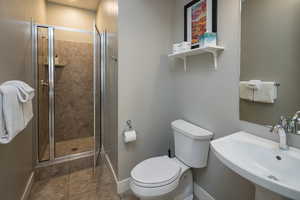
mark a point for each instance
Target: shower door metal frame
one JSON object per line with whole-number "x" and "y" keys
{"x": 97, "y": 61}
{"x": 55, "y": 160}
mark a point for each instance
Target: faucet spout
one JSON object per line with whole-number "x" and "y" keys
{"x": 278, "y": 129}
{"x": 282, "y": 139}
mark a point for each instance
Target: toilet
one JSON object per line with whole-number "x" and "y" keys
{"x": 167, "y": 178}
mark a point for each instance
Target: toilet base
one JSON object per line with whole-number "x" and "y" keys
{"x": 184, "y": 190}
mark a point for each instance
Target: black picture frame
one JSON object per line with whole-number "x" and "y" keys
{"x": 214, "y": 10}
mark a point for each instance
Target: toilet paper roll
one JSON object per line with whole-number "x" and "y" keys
{"x": 129, "y": 136}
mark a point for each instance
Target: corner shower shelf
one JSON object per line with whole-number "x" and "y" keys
{"x": 201, "y": 50}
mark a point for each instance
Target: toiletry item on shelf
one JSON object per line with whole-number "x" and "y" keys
{"x": 186, "y": 46}
{"x": 208, "y": 39}
{"x": 176, "y": 47}
{"x": 182, "y": 46}
{"x": 56, "y": 60}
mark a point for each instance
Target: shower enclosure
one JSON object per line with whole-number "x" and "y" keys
{"x": 68, "y": 82}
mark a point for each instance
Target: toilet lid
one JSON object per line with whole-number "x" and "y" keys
{"x": 156, "y": 171}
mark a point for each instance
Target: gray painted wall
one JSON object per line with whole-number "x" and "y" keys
{"x": 145, "y": 87}
{"x": 15, "y": 63}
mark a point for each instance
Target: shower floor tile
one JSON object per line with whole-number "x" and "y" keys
{"x": 73, "y": 146}
{"x": 79, "y": 185}
{"x": 68, "y": 147}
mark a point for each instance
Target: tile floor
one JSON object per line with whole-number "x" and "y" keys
{"x": 78, "y": 185}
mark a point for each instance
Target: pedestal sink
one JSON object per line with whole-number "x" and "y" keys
{"x": 262, "y": 162}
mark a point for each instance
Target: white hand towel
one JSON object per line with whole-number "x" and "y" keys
{"x": 25, "y": 95}
{"x": 267, "y": 93}
{"x": 246, "y": 92}
{"x": 12, "y": 113}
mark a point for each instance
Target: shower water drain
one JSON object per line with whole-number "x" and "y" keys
{"x": 74, "y": 149}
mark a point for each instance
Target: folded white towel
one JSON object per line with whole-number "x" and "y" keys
{"x": 25, "y": 92}
{"x": 246, "y": 92}
{"x": 13, "y": 117}
{"x": 25, "y": 95}
{"x": 267, "y": 93}
{"x": 15, "y": 108}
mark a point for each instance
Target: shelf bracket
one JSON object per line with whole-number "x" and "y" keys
{"x": 215, "y": 57}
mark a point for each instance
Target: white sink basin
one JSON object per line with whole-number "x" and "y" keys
{"x": 261, "y": 161}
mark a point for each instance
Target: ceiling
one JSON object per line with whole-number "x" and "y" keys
{"x": 86, "y": 4}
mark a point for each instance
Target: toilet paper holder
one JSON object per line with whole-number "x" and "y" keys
{"x": 129, "y": 134}
{"x": 129, "y": 124}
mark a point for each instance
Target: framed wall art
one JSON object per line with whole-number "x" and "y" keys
{"x": 200, "y": 16}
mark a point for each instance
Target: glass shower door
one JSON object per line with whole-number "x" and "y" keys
{"x": 73, "y": 89}
{"x": 43, "y": 139}
{"x": 97, "y": 94}
{"x": 69, "y": 90}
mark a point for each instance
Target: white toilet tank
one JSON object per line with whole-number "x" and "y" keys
{"x": 191, "y": 143}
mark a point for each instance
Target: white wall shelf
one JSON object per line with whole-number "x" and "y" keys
{"x": 214, "y": 50}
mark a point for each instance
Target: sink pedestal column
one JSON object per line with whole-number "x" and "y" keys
{"x": 264, "y": 194}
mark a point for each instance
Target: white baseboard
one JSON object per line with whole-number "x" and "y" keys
{"x": 123, "y": 185}
{"x": 27, "y": 190}
{"x": 201, "y": 194}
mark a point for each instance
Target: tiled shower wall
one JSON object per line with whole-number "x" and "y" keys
{"x": 73, "y": 90}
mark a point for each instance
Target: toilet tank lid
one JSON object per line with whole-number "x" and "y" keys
{"x": 191, "y": 130}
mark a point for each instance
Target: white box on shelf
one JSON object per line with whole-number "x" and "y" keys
{"x": 182, "y": 46}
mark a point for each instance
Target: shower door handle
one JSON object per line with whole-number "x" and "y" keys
{"x": 114, "y": 58}
{"x": 44, "y": 83}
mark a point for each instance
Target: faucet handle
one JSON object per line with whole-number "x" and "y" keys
{"x": 275, "y": 128}
{"x": 283, "y": 121}
{"x": 296, "y": 116}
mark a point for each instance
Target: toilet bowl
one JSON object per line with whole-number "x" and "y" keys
{"x": 167, "y": 178}
{"x": 162, "y": 177}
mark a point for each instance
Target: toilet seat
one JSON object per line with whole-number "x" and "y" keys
{"x": 156, "y": 172}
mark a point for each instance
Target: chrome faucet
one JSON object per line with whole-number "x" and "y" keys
{"x": 284, "y": 126}
{"x": 296, "y": 116}
{"x": 295, "y": 122}
{"x": 280, "y": 129}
